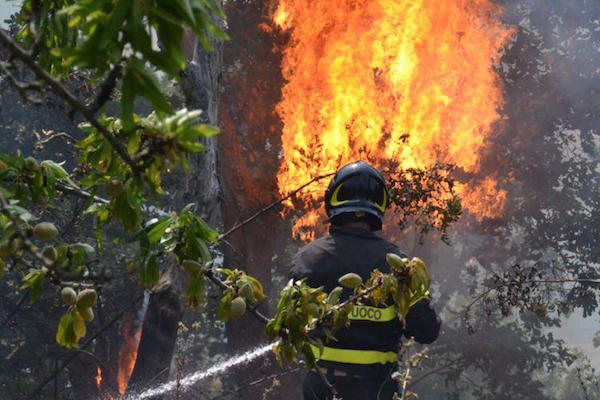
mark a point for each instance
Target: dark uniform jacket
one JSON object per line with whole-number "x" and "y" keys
{"x": 360, "y": 251}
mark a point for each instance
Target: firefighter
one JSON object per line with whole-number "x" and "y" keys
{"x": 360, "y": 362}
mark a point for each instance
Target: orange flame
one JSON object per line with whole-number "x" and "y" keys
{"x": 128, "y": 355}
{"x": 363, "y": 74}
{"x": 98, "y": 380}
{"x": 98, "y": 377}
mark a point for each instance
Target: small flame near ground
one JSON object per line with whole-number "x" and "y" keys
{"x": 409, "y": 81}
{"x": 128, "y": 354}
{"x": 103, "y": 396}
{"x": 98, "y": 377}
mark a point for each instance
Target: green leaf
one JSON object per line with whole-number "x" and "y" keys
{"x": 134, "y": 142}
{"x": 194, "y": 294}
{"x": 186, "y": 10}
{"x": 204, "y": 231}
{"x": 224, "y": 307}
{"x": 148, "y": 86}
{"x": 33, "y": 281}
{"x": 111, "y": 28}
{"x": 126, "y": 209}
{"x": 50, "y": 181}
{"x": 65, "y": 334}
{"x": 157, "y": 230}
{"x": 83, "y": 248}
{"x": 128, "y": 90}
{"x": 78, "y": 325}
{"x": 149, "y": 273}
{"x": 58, "y": 171}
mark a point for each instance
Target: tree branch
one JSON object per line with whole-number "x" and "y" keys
{"x": 106, "y": 89}
{"x": 21, "y": 87}
{"x": 416, "y": 381}
{"x": 223, "y": 286}
{"x": 80, "y": 193}
{"x": 272, "y": 205}
{"x": 49, "y": 136}
{"x": 58, "y": 88}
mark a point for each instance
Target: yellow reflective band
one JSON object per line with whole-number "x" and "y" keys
{"x": 373, "y": 314}
{"x": 382, "y": 205}
{"x": 354, "y": 356}
{"x": 334, "y": 198}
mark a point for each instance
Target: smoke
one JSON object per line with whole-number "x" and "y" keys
{"x": 547, "y": 148}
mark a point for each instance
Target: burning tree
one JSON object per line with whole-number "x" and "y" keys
{"x": 428, "y": 99}
{"x": 122, "y": 161}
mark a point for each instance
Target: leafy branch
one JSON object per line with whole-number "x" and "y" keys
{"x": 427, "y": 195}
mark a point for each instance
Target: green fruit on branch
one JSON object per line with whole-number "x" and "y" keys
{"x": 191, "y": 266}
{"x": 86, "y": 298}
{"x": 31, "y": 164}
{"x": 114, "y": 188}
{"x": 50, "y": 255}
{"x": 238, "y": 308}
{"x": 45, "y": 230}
{"x": 396, "y": 262}
{"x": 334, "y": 295}
{"x": 68, "y": 295}
{"x": 350, "y": 280}
{"x": 87, "y": 313}
{"x": 246, "y": 291}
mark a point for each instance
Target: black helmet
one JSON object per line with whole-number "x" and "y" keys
{"x": 357, "y": 193}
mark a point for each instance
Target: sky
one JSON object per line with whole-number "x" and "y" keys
{"x": 7, "y": 7}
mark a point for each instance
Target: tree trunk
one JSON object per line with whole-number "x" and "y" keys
{"x": 165, "y": 310}
{"x": 159, "y": 330}
{"x": 249, "y": 148}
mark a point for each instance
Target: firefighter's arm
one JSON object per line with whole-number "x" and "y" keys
{"x": 422, "y": 323}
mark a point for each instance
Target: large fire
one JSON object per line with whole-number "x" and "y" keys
{"x": 363, "y": 74}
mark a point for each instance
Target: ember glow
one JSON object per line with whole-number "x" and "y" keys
{"x": 364, "y": 74}
{"x": 128, "y": 355}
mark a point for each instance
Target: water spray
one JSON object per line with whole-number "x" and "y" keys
{"x": 189, "y": 380}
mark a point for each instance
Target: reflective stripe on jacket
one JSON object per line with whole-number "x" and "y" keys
{"x": 374, "y": 333}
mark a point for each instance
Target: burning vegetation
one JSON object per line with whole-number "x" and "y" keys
{"x": 482, "y": 105}
{"x": 387, "y": 80}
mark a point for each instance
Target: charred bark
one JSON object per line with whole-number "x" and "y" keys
{"x": 249, "y": 160}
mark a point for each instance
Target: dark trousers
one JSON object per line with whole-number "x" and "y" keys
{"x": 374, "y": 387}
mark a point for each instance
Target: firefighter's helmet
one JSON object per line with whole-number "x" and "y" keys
{"x": 357, "y": 193}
